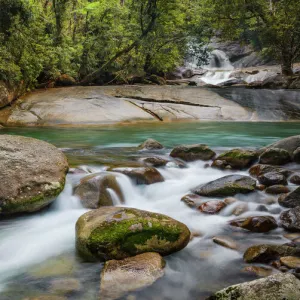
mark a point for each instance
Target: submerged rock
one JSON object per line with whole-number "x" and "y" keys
{"x": 277, "y": 189}
{"x": 266, "y": 253}
{"x": 151, "y": 144}
{"x": 193, "y": 152}
{"x": 212, "y": 207}
{"x": 269, "y": 179}
{"x": 96, "y": 190}
{"x": 225, "y": 241}
{"x": 145, "y": 175}
{"x": 275, "y": 156}
{"x": 227, "y": 186}
{"x": 255, "y": 224}
{"x": 237, "y": 158}
{"x": 65, "y": 286}
{"x": 260, "y": 169}
{"x": 274, "y": 287}
{"x": 116, "y": 233}
{"x": 33, "y": 174}
{"x": 191, "y": 200}
{"x": 290, "y": 219}
{"x": 290, "y": 200}
{"x": 119, "y": 277}
{"x": 155, "y": 162}
{"x": 259, "y": 271}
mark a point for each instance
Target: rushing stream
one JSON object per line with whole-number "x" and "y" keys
{"x": 38, "y": 249}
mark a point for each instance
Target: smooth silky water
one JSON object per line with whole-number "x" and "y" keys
{"x": 38, "y": 248}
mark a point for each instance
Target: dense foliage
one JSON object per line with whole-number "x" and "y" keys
{"x": 114, "y": 40}
{"x": 94, "y": 40}
{"x": 272, "y": 24}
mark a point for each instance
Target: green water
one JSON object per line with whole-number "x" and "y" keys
{"x": 215, "y": 134}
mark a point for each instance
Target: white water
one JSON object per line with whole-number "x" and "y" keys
{"x": 34, "y": 239}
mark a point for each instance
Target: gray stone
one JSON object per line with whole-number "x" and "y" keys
{"x": 290, "y": 200}
{"x": 290, "y": 219}
{"x": 151, "y": 144}
{"x": 193, "y": 152}
{"x": 270, "y": 179}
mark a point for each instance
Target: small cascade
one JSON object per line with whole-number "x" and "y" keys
{"x": 115, "y": 198}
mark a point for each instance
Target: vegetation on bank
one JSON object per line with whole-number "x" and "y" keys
{"x": 114, "y": 40}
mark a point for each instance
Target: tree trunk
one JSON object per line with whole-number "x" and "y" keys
{"x": 286, "y": 64}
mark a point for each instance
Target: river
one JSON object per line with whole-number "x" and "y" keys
{"x": 40, "y": 248}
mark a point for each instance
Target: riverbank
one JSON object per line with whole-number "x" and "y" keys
{"x": 107, "y": 105}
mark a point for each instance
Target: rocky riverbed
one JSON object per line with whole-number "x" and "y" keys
{"x": 238, "y": 219}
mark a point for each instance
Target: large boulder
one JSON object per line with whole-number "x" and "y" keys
{"x": 275, "y": 287}
{"x": 275, "y": 156}
{"x": 260, "y": 169}
{"x": 276, "y": 82}
{"x": 238, "y": 158}
{"x": 117, "y": 232}
{"x": 97, "y": 190}
{"x": 151, "y": 144}
{"x": 255, "y": 224}
{"x": 266, "y": 253}
{"x": 272, "y": 178}
{"x": 290, "y": 219}
{"x": 120, "y": 277}
{"x": 33, "y": 174}
{"x": 65, "y": 80}
{"x": 142, "y": 175}
{"x": 289, "y": 144}
{"x": 193, "y": 152}
{"x": 227, "y": 186}
{"x": 290, "y": 200}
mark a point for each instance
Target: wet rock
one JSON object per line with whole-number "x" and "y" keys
{"x": 260, "y": 187}
{"x": 119, "y": 277}
{"x": 94, "y": 190}
{"x": 290, "y": 219}
{"x": 240, "y": 209}
{"x": 212, "y": 207}
{"x": 46, "y": 297}
{"x": 270, "y": 179}
{"x": 275, "y": 156}
{"x": 274, "y": 287}
{"x": 289, "y": 144}
{"x": 117, "y": 232}
{"x": 219, "y": 164}
{"x": 292, "y": 236}
{"x": 262, "y": 208}
{"x": 255, "y": 224}
{"x": 65, "y": 286}
{"x": 155, "y": 162}
{"x": 291, "y": 262}
{"x": 258, "y": 271}
{"x": 277, "y": 189}
{"x": 227, "y": 186}
{"x": 145, "y": 175}
{"x": 238, "y": 158}
{"x": 193, "y": 152}
{"x": 191, "y": 200}
{"x": 266, "y": 253}
{"x": 225, "y": 241}
{"x": 33, "y": 174}
{"x": 260, "y": 169}
{"x": 151, "y": 144}
{"x": 230, "y": 200}
{"x": 290, "y": 200}
{"x": 295, "y": 179}
{"x": 296, "y": 155}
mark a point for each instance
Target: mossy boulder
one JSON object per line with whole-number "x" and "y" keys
{"x": 265, "y": 253}
{"x": 227, "y": 186}
{"x": 151, "y": 144}
{"x": 144, "y": 175}
{"x": 65, "y": 80}
{"x": 193, "y": 152}
{"x": 275, "y": 156}
{"x": 238, "y": 158}
{"x": 33, "y": 174}
{"x": 119, "y": 277}
{"x": 117, "y": 232}
{"x": 97, "y": 190}
{"x": 274, "y": 287}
